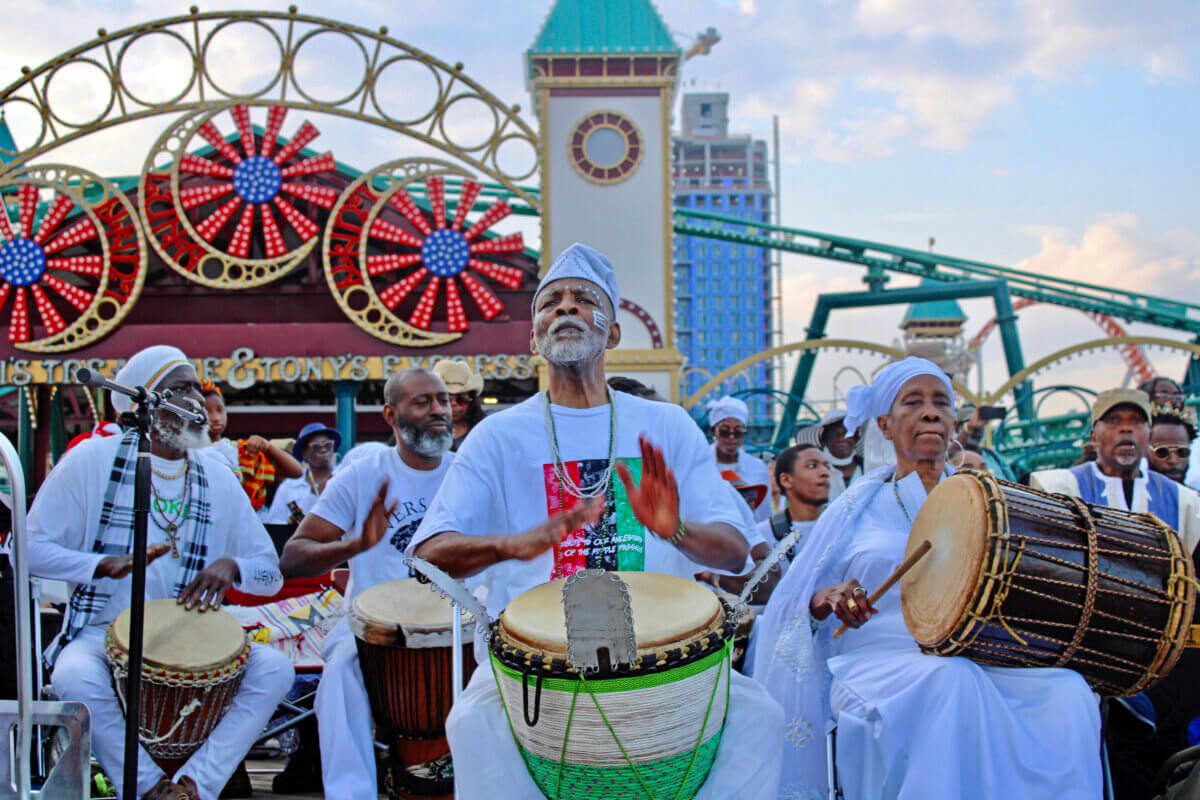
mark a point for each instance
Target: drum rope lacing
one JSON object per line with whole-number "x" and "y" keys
{"x": 600, "y": 487}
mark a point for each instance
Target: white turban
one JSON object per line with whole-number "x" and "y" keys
{"x": 147, "y": 368}
{"x": 867, "y": 402}
{"x": 728, "y": 408}
{"x": 581, "y": 261}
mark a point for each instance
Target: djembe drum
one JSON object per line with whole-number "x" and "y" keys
{"x": 192, "y": 664}
{"x": 404, "y": 634}
{"x": 1018, "y": 577}
{"x": 647, "y": 729}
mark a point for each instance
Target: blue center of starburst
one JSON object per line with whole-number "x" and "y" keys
{"x": 257, "y": 180}
{"x": 22, "y": 262}
{"x": 446, "y": 252}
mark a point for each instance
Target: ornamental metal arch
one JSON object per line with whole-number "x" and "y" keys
{"x": 199, "y": 210}
{"x": 110, "y": 56}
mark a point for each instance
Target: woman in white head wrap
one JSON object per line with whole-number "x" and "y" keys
{"x": 729, "y": 417}
{"x": 909, "y": 725}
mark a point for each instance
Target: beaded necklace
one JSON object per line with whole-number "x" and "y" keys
{"x": 170, "y": 524}
{"x": 900, "y": 500}
{"x": 600, "y": 487}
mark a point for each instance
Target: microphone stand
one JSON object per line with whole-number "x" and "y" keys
{"x": 146, "y": 403}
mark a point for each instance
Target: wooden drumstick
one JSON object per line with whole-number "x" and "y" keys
{"x": 908, "y": 564}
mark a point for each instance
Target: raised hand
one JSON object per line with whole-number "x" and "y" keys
{"x": 655, "y": 502}
{"x": 535, "y": 541}
{"x": 848, "y": 600}
{"x": 117, "y": 567}
{"x": 377, "y": 521}
{"x": 256, "y": 445}
{"x": 209, "y": 587}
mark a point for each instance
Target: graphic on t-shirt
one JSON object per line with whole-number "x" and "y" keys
{"x": 406, "y": 518}
{"x": 617, "y": 541}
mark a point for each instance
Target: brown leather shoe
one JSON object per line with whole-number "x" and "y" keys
{"x": 188, "y": 788}
{"x": 166, "y": 790}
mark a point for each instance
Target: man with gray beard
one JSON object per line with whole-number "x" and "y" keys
{"x": 203, "y": 538}
{"x": 367, "y": 514}
{"x": 533, "y": 495}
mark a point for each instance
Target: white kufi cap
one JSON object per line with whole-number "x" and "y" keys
{"x": 581, "y": 261}
{"x": 146, "y": 368}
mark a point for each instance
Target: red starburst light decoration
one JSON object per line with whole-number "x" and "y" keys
{"x": 258, "y": 182}
{"x": 29, "y": 255}
{"x": 445, "y": 255}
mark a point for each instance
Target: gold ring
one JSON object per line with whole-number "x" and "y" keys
{"x": 851, "y": 604}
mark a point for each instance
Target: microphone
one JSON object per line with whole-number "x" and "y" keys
{"x": 139, "y": 394}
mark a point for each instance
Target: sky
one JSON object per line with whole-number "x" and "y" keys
{"x": 1058, "y": 137}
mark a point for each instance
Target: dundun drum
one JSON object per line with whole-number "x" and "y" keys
{"x": 1018, "y": 577}
{"x": 404, "y": 637}
{"x": 650, "y": 729}
{"x": 192, "y": 664}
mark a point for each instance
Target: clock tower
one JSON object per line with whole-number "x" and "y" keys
{"x": 603, "y": 74}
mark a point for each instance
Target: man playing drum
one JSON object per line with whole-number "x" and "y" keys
{"x": 203, "y": 539}
{"x": 531, "y": 497}
{"x": 1120, "y": 477}
{"x": 909, "y": 725}
{"x": 367, "y": 515}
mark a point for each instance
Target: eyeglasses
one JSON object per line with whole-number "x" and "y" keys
{"x": 462, "y": 399}
{"x": 1166, "y": 451}
{"x": 321, "y": 447}
{"x": 731, "y": 433}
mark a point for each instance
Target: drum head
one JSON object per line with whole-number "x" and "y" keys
{"x": 665, "y": 609}
{"x": 938, "y": 589}
{"x": 406, "y": 603}
{"x": 188, "y": 641}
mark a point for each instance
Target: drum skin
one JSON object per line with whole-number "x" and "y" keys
{"x": 191, "y": 671}
{"x": 1018, "y": 577}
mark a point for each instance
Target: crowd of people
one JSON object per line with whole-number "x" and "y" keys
{"x": 603, "y": 473}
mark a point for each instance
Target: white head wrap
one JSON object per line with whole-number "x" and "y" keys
{"x": 147, "y": 368}
{"x": 867, "y": 402}
{"x": 728, "y": 408}
{"x": 581, "y": 261}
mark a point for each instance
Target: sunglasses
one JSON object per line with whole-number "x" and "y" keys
{"x": 462, "y": 399}
{"x": 1166, "y": 451}
{"x": 321, "y": 447}
{"x": 731, "y": 433}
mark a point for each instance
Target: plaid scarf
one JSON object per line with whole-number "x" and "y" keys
{"x": 114, "y": 537}
{"x": 256, "y": 472}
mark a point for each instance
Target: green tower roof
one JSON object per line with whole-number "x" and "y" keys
{"x": 8, "y": 147}
{"x": 603, "y": 27}
{"x": 933, "y": 310}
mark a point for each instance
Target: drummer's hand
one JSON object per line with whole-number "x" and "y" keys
{"x": 209, "y": 588}
{"x": 376, "y": 524}
{"x": 119, "y": 566}
{"x": 535, "y": 541}
{"x": 847, "y": 600}
{"x": 655, "y": 502}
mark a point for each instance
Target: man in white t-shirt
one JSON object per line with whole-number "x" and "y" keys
{"x": 367, "y": 515}
{"x": 315, "y": 448}
{"x": 729, "y": 417}
{"x": 203, "y": 538}
{"x": 532, "y": 496}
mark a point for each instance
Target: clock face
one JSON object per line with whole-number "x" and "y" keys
{"x": 605, "y": 147}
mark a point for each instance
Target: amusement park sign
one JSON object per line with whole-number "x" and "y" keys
{"x": 242, "y": 368}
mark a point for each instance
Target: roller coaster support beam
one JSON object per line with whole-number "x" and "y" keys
{"x": 826, "y": 303}
{"x": 1191, "y": 378}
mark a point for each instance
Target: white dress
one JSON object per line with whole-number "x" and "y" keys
{"x": 911, "y": 725}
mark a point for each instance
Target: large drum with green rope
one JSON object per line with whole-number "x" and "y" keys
{"x": 649, "y": 729}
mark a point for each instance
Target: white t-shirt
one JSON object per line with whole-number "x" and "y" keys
{"x": 752, "y": 471}
{"x": 503, "y": 482}
{"x": 65, "y": 520}
{"x": 292, "y": 490}
{"x": 347, "y": 501}
{"x": 764, "y": 530}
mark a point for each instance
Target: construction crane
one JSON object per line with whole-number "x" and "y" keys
{"x": 702, "y": 44}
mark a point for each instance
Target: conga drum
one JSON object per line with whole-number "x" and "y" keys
{"x": 648, "y": 729}
{"x": 192, "y": 664}
{"x": 1018, "y": 577}
{"x": 404, "y": 634}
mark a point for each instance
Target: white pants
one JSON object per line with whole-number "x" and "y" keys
{"x": 81, "y": 674}
{"x": 487, "y": 764}
{"x": 344, "y": 721}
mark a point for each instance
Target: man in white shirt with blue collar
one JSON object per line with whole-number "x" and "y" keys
{"x": 1120, "y": 477}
